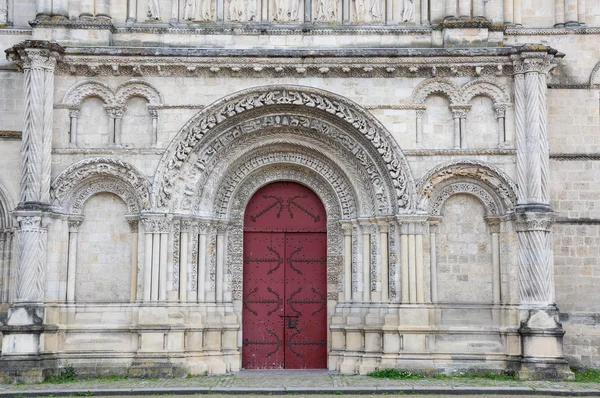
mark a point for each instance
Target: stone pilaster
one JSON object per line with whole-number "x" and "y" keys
{"x": 37, "y": 60}
{"x": 541, "y": 333}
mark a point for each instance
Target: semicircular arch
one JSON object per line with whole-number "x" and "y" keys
{"x": 78, "y": 182}
{"x": 437, "y": 85}
{"x": 316, "y": 110}
{"x": 85, "y": 89}
{"x": 501, "y": 191}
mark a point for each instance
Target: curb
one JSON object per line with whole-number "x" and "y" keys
{"x": 408, "y": 390}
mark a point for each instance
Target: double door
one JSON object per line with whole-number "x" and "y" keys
{"x": 284, "y": 300}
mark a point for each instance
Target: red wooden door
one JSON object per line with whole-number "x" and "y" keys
{"x": 285, "y": 263}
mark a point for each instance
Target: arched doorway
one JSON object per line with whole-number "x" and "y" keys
{"x": 285, "y": 279}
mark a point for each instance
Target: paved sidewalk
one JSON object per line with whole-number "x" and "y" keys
{"x": 299, "y": 382}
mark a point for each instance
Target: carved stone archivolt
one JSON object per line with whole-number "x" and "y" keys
{"x": 459, "y": 96}
{"x": 490, "y": 184}
{"x": 334, "y": 117}
{"x": 243, "y": 191}
{"x": 112, "y": 98}
{"x": 83, "y": 179}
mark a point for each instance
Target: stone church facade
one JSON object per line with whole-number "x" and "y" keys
{"x": 449, "y": 150}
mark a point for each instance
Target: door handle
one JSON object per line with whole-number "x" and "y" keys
{"x": 292, "y": 320}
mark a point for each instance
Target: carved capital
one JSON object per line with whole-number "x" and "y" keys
{"x": 531, "y": 221}
{"x": 434, "y": 224}
{"x": 153, "y": 112}
{"x": 74, "y": 223}
{"x": 156, "y": 225}
{"x": 203, "y": 227}
{"x": 74, "y": 113}
{"x": 500, "y": 110}
{"x": 186, "y": 226}
{"x": 420, "y": 113}
{"x": 535, "y": 59}
{"x": 346, "y": 228}
{"x": 115, "y": 112}
{"x": 494, "y": 224}
{"x": 460, "y": 111}
{"x": 35, "y": 54}
{"x": 29, "y": 223}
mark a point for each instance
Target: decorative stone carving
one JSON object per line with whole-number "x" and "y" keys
{"x": 368, "y": 11}
{"x": 408, "y": 10}
{"x": 439, "y": 86}
{"x": 287, "y": 10}
{"x": 157, "y": 224}
{"x": 153, "y": 10}
{"x": 442, "y": 194}
{"x": 487, "y": 175}
{"x": 536, "y": 276}
{"x": 243, "y": 10}
{"x": 312, "y": 148}
{"x": 487, "y": 87}
{"x": 333, "y": 177}
{"x": 112, "y": 98}
{"x": 82, "y": 179}
{"x": 595, "y": 76}
{"x": 327, "y": 11}
{"x": 244, "y": 192}
{"x": 340, "y": 109}
{"x": 31, "y": 259}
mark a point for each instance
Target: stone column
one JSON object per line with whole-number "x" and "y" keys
{"x": 131, "y": 10}
{"x": 420, "y": 113}
{"x": 434, "y": 225}
{"x": 384, "y": 260}
{"x": 411, "y": 241}
{"x": 541, "y": 333}
{"x": 494, "y": 226}
{"x": 366, "y": 259}
{"x": 74, "y": 224}
{"x": 74, "y": 115}
{"x": 220, "y": 271}
{"x": 156, "y": 254}
{"x": 86, "y": 9}
{"x": 134, "y": 225}
{"x": 202, "y": 250}
{"x": 37, "y": 59}
{"x": 183, "y": 259}
{"x": 154, "y": 114}
{"x": 500, "y": 110}
{"x": 459, "y": 114}
{"x": 357, "y": 263}
{"x": 347, "y": 229}
{"x": 114, "y": 124}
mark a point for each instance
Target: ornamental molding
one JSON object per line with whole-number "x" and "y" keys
{"x": 439, "y": 197}
{"x": 156, "y": 224}
{"x": 263, "y": 160}
{"x": 35, "y": 54}
{"x": 211, "y": 124}
{"x": 496, "y": 190}
{"x": 368, "y": 62}
{"x": 113, "y": 99}
{"x": 532, "y": 221}
{"x": 595, "y": 77}
{"x": 243, "y": 193}
{"x": 461, "y": 96}
{"x": 85, "y": 178}
{"x": 352, "y": 171}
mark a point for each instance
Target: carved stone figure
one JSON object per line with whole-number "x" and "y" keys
{"x": 242, "y": 10}
{"x": 326, "y": 11}
{"x": 286, "y": 10}
{"x": 368, "y": 11}
{"x": 3, "y": 12}
{"x": 153, "y": 10}
{"x": 408, "y": 11}
{"x": 189, "y": 10}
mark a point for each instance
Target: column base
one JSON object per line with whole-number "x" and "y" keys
{"x": 544, "y": 369}
{"x": 542, "y": 345}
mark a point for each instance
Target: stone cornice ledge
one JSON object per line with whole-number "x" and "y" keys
{"x": 251, "y": 62}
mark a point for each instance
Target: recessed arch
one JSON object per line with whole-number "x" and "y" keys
{"x": 486, "y": 87}
{"x": 83, "y": 179}
{"x": 85, "y": 89}
{"x": 316, "y": 110}
{"x": 437, "y": 86}
{"x": 6, "y": 205}
{"x": 137, "y": 88}
{"x": 490, "y": 184}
